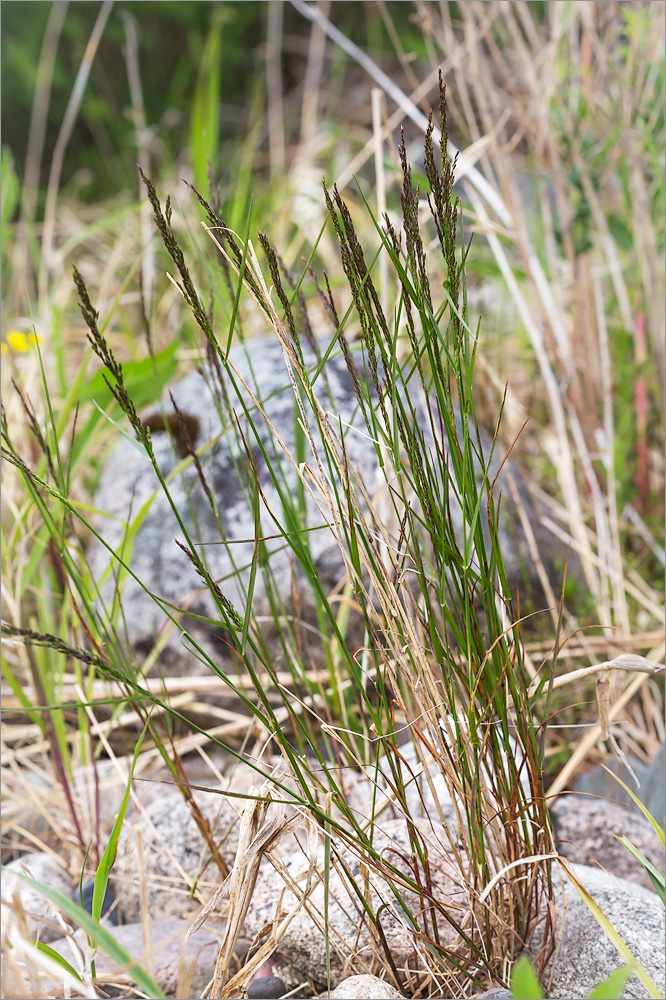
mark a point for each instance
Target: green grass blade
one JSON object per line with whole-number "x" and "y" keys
{"x": 204, "y": 125}
{"x": 646, "y": 812}
{"x": 132, "y": 440}
{"x": 657, "y": 879}
{"x": 58, "y": 959}
{"x": 102, "y": 937}
{"x": 108, "y": 858}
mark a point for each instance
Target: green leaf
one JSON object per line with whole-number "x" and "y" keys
{"x": 58, "y": 959}
{"x": 657, "y": 879}
{"x": 620, "y": 233}
{"x": 132, "y": 440}
{"x": 102, "y": 937}
{"x": 108, "y": 858}
{"x": 10, "y": 187}
{"x": 524, "y": 982}
{"x": 204, "y": 123}
{"x": 144, "y": 379}
{"x": 612, "y": 987}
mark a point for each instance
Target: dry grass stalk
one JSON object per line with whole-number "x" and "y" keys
{"x": 28, "y": 973}
{"x": 593, "y": 734}
{"x": 59, "y": 152}
{"x": 259, "y": 833}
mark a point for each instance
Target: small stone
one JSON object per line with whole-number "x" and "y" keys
{"x": 266, "y": 988}
{"x": 365, "y": 988}
{"x": 181, "y": 966}
{"x": 84, "y": 897}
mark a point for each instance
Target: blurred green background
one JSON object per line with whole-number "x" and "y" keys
{"x": 172, "y": 39}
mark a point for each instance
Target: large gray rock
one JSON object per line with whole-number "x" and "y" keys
{"x": 584, "y": 831}
{"x": 128, "y": 484}
{"x": 302, "y": 953}
{"x": 162, "y": 854}
{"x": 584, "y": 956}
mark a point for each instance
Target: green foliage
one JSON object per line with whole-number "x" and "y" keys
{"x": 143, "y": 378}
{"x": 98, "y": 933}
{"x": 10, "y": 200}
{"x": 440, "y": 621}
{"x": 657, "y": 878}
{"x": 194, "y": 77}
{"x": 10, "y": 188}
{"x": 525, "y": 984}
{"x": 108, "y": 858}
{"x": 612, "y": 987}
{"x": 199, "y": 60}
{"x": 58, "y": 959}
{"x": 172, "y": 39}
{"x": 204, "y": 122}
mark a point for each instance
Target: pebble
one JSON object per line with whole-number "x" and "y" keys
{"x": 180, "y": 967}
{"x": 84, "y": 897}
{"x": 266, "y": 988}
{"x": 365, "y": 988}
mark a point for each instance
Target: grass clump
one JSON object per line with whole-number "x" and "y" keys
{"x": 424, "y": 571}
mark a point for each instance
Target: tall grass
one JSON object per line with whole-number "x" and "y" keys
{"x": 441, "y": 633}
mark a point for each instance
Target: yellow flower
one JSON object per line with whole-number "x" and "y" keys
{"x": 19, "y": 342}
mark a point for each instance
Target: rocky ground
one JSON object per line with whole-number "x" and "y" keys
{"x": 159, "y": 858}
